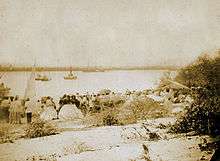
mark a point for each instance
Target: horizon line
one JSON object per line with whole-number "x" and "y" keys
{"x": 84, "y": 68}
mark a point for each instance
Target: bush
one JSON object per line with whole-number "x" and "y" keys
{"x": 5, "y": 135}
{"x": 40, "y": 128}
{"x": 127, "y": 113}
{"x": 140, "y": 109}
{"x": 203, "y": 78}
{"x": 110, "y": 120}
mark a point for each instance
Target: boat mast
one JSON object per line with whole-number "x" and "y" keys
{"x": 71, "y": 71}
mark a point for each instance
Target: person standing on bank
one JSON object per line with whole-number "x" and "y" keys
{"x": 5, "y": 105}
{"x": 29, "y": 107}
{"x": 16, "y": 110}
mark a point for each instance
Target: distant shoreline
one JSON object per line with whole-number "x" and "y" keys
{"x": 84, "y": 69}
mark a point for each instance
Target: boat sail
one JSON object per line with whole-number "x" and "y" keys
{"x": 30, "y": 91}
{"x": 30, "y": 96}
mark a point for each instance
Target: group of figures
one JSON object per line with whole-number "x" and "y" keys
{"x": 74, "y": 106}
{"x": 15, "y": 109}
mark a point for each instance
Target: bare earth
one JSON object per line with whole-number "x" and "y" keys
{"x": 109, "y": 143}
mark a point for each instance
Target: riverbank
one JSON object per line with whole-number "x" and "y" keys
{"x": 144, "y": 135}
{"x": 83, "y": 142}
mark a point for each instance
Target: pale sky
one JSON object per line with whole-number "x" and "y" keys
{"x": 107, "y": 32}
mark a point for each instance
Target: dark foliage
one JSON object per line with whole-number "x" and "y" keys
{"x": 110, "y": 120}
{"x": 203, "y": 77}
{"x": 40, "y": 128}
{"x": 5, "y": 135}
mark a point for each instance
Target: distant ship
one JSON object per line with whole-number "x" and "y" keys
{"x": 42, "y": 78}
{"x": 89, "y": 70}
{"x": 70, "y": 76}
{"x": 93, "y": 70}
{"x": 100, "y": 70}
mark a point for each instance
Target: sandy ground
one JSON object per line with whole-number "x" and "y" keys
{"x": 109, "y": 143}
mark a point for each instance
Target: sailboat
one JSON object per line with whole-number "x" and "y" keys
{"x": 70, "y": 76}
{"x": 42, "y": 78}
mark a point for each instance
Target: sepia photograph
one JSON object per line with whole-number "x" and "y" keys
{"x": 109, "y": 80}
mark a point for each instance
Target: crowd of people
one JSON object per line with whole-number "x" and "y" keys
{"x": 15, "y": 108}
{"x": 73, "y": 106}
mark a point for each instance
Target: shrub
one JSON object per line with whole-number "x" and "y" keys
{"x": 107, "y": 116}
{"x": 127, "y": 113}
{"x": 203, "y": 78}
{"x": 110, "y": 120}
{"x": 140, "y": 109}
{"x": 40, "y": 128}
{"x": 5, "y": 133}
{"x": 153, "y": 136}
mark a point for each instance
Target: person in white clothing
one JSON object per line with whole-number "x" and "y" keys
{"x": 49, "y": 112}
{"x": 30, "y": 105}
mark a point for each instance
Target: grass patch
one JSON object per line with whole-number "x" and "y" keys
{"x": 127, "y": 113}
{"x": 140, "y": 109}
{"x": 5, "y": 135}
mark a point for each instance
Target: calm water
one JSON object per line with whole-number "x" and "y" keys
{"x": 86, "y": 82}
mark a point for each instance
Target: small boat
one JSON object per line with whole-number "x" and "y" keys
{"x": 93, "y": 70}
{"x": 42, "y": 78}
{"x": 100, "y": 70}
{"x": 70, "y": 76}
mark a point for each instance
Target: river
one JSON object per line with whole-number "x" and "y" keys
{"x": 117, "y": 81}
